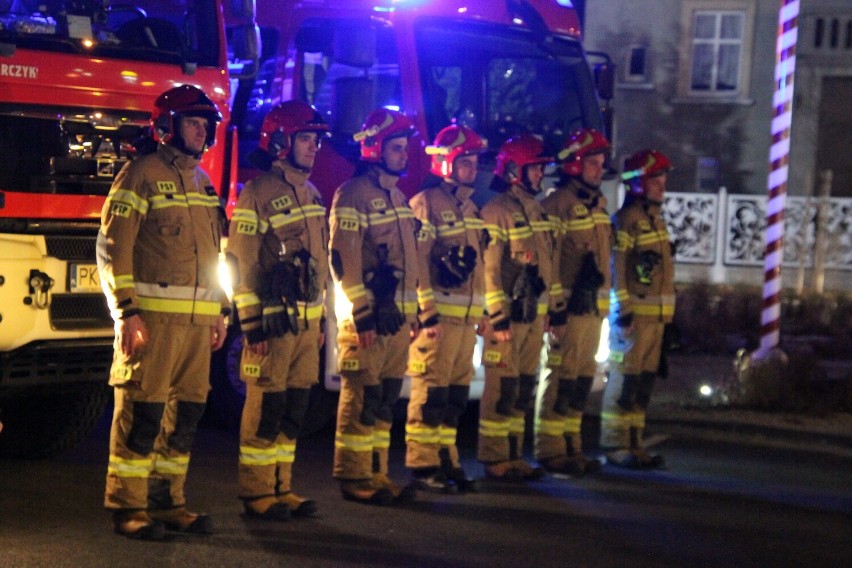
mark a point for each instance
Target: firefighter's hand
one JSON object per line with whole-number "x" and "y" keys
{"x": 367, "y": 339}
{"x": 482, "y": 326}
{"x": 504, "y": 335}
{"x": 555, "y": 331}
{"x": 261, "y": 348}
{"x": 132, "y": 335}
{"x": 435, "y": 332}
{"x": 217, "y": 333}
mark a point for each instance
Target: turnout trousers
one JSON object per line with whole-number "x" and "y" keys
{"x": 510, "y": 380}
{"x": 635, "y": 360}
{"x": 441, "y": 372}
{"x": 371, "y": 381}
{"x": 571, "y": 367}
{"x": 277, "y": 393}
{"x": 160, "y": 396}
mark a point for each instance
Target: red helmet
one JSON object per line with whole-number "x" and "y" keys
{"x": 450, "y": 143}
{"x": 644, "y": 164}
{"x": 184, "y": 100}
{"x": 285, "y": 120}
{"x": 583, "y": 142}
{"x": 381, "y": 124}
{"x": 522, "y": 150}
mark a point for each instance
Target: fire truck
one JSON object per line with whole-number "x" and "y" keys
{"x": 78, "y": 79}
{"x": 501, "y": 67}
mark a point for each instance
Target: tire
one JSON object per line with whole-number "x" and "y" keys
{"x": 40, "y": 422}
{"x": 228, "y": 394}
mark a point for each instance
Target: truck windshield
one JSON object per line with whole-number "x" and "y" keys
{"x": 165, "y": 31}
{"x": 503, "y": 82}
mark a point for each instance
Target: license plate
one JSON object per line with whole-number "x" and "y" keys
{"x": 84, "y": 278}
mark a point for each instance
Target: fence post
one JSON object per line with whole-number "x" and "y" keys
{"x": 821, "y": 229}
{"x": 717, "y": 272}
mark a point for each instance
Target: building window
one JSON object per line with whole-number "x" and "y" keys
{"x": 717, "y": 39}
{"x": 636, "y": 64}
{"x": 716, "y": 44}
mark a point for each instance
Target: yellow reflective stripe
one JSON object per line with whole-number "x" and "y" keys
{"x": 653, "y": 310}
{"x": 130, "y": 198}
{"x": 520, "y": 233}
{"x": 541, "y": 226}
{"x": 285, "y": 453}
{"x": 450, "y": 310}
{"x": 551, "y": 427}
{"x": 619, "y": 420}
{"x": 516, "y": 424}
{"x": 246, "y": 300}
{"x": 496, "y": 297}
{"x": 495, "y": 232}
{"x": 474, "y": 223}
{"x": 353, "y": 442}
{"x": 177, "y": 465}
{"x": 421, "y": 434}
{"x": 646, "y": 239}
{"x": 296, "y": 214}
{"x": 450, "y": 230}
{"x": 381, "y": 438}
{"x": 124, "y": 281}
{"x": 202, "y": 200}
{"x": 542, "y": 308}
{"x": 447, "y": 435}
{"x": 404, "y": 212}
{"x": 603, "y": 303}
{"x": 406, "y": 307}
{"x": 622, "y": 295}
{"x": 310, "y": 312}
{"x": 165, "y": 201}
{"x": 355, "y": 292}
{"x": 493, "y": 428}
{"x": 176, "y": 292}
{"x": 578, "y": 225}
{"x": 425, "y": 295}
{"x": 166, "y": 305}
{"x": 557, "y": 289}
{"x": 623, "y": 241}
{"x": 122, "y": 467}
{"x": 636, "y": 418}
{"x": 601, "y": 218}
{"x": 356, "y": 218}
{"x": 572, "y": 424}
{"x": 257, "y": 456}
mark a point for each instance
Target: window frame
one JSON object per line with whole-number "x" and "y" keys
{"x": 689, "y": 10}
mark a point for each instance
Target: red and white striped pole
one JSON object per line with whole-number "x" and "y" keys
{"x": 782, "y": 102}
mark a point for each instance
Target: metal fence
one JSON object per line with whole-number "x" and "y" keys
{"x": 703, "y": 226}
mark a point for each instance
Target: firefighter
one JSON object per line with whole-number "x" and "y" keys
{"x": 584, "y": 241}
{"x": 374, "y": 262}
{"x": 450, "y": 244}
{"x": 519, "y": 268}
{"x": 278, "y": 242}
{"x": 158, "y": 250}
{"x": 644, "y": 301}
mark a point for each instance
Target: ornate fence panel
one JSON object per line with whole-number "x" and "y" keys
{"x": 694, "y": 220}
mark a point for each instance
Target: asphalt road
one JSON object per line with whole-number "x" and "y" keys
{"x": 715, "y": 505}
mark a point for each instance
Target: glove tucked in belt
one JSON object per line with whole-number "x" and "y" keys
{"x": 455, "y": 266}
{"x": 525, "y": 292}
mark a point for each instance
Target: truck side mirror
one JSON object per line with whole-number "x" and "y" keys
{"x": 605, "y": 79}
{"x": 245, "y": 42}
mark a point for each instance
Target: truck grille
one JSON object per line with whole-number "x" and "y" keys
{"x": 54, "y": 362}
{"x": 79, "y": 311}
{"x": 71, "y": 248}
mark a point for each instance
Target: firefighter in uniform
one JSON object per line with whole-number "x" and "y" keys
{"x": 374, "y": 262}
{"x": 278, "y": 242}
{"x": 158, "y": 253}
{"x": 441, "y": 367}
{"x": 644, "y": 301}
{"x": 519, "y": 268}
{"x": 584, "y": 241}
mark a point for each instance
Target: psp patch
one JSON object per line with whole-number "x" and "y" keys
{"x": 417, "y": 366}
{"x": 167, "y": 187}
{"x": 493, "y": 356}
{"x": 282, "y": 202}
{"x": 251, "y": 370}
{"x": 119, "y": 209}
{"x": 350, "y": 365}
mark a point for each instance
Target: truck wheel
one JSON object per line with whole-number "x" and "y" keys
{"x": 40, "y": 423}
{"x": 228, "y": 394}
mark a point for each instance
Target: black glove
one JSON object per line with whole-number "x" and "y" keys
{"x": 456, "y": 265}
{"x": 383, "y": 282}
{"x": 584, "y": 293}
{"x": 276, "y": 319}
{"x": 525, "y": 292}
{"x": 625, "y": 320}
{"x": 645, "y": 266}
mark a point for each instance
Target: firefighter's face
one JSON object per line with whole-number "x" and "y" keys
{"x": 593, "y": 169}
{"x": 305, "y": 147}
{"x": 534, "y": 173}
{"x": 395, "y": 154}
{"x": 464, "y": 169}
{"x": 655, "y": 188}
{"x": 193, "y": 131}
